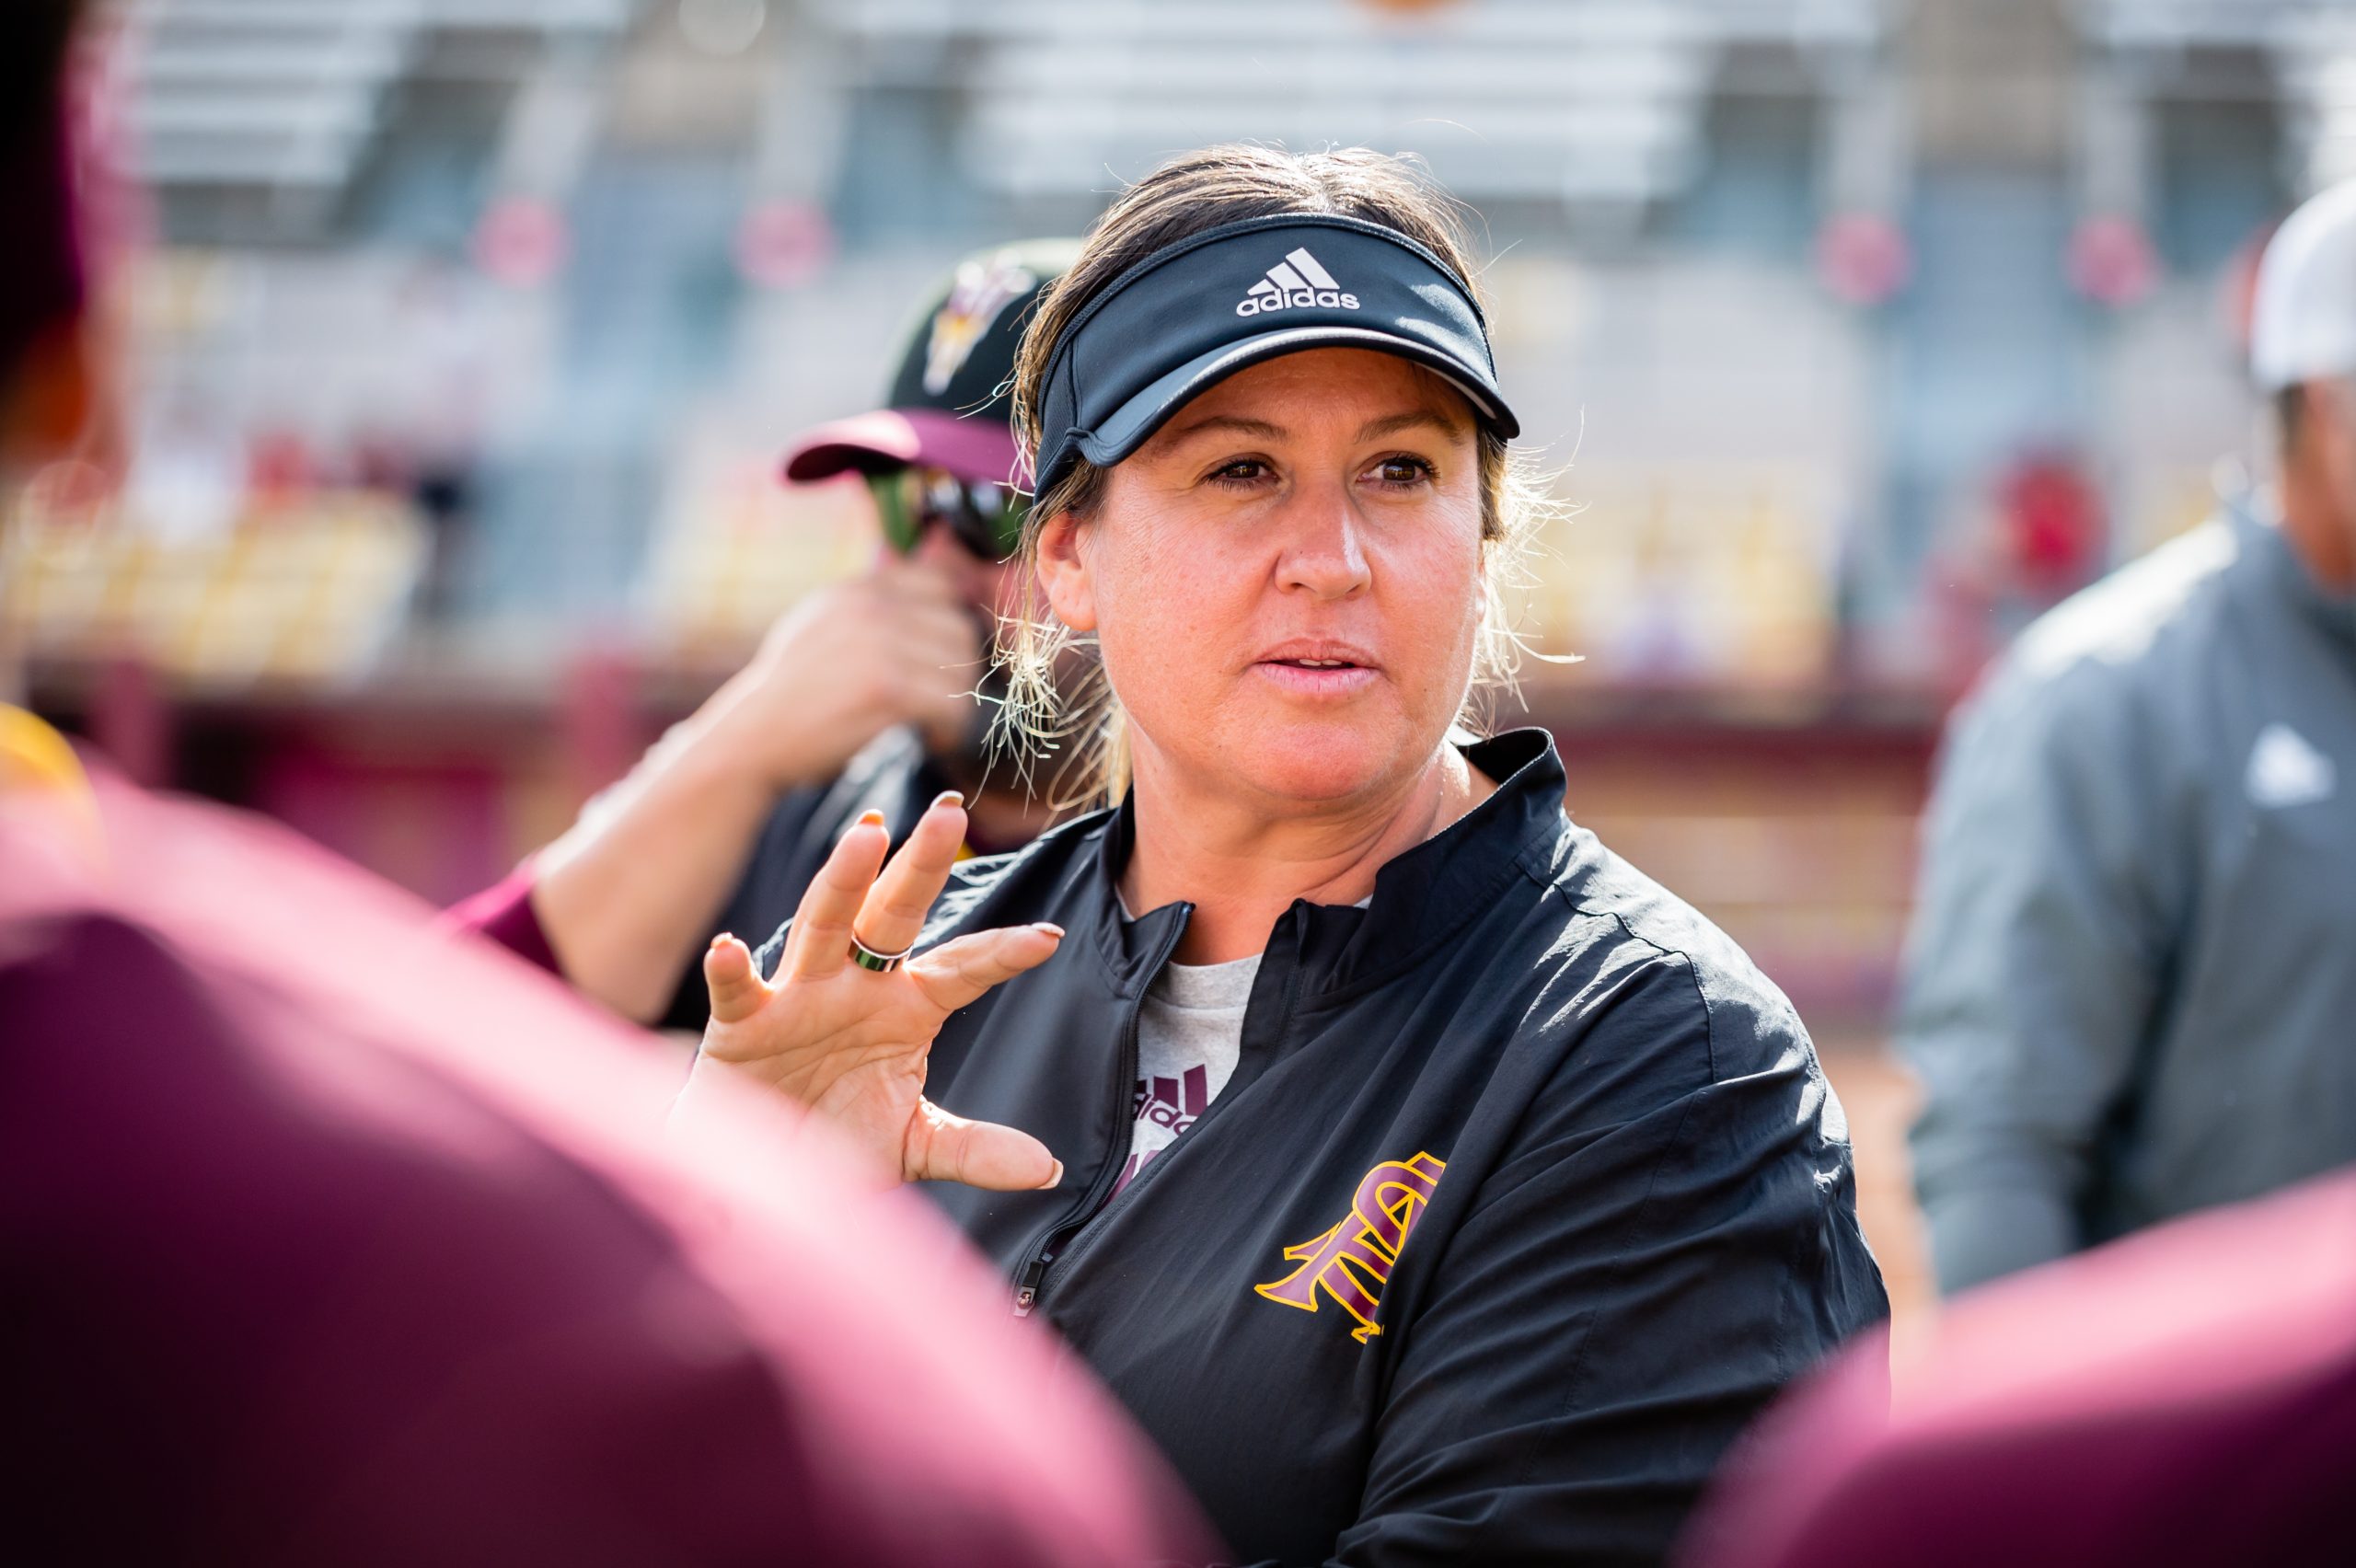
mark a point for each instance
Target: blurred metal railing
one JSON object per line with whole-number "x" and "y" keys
{"x": 289, "y": 93}
{"x": 2309, "y": 44}
{"x": 1571, "y": 100}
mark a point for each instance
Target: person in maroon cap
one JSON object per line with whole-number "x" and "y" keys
{"x": 390, "y": 1258}
{"x": 863, "y": 697}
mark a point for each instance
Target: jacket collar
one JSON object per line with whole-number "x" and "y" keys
{"x": 1136, "y": 950}
{"x": 1422, "y": 898}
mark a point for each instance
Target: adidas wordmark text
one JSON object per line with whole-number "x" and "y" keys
{"x": 1296, "y": 280}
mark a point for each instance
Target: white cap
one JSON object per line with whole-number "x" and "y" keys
{"x": 2303, "y": 326}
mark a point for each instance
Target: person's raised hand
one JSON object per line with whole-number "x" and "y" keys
{"x": 850, "y": 1042}
{"x": 897, "y": 645}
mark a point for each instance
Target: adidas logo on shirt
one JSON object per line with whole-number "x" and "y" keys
{"x": 2285, "y": 769}
{"x": 1293, "y": 282}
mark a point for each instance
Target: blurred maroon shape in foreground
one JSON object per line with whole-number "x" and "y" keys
{"x": 2185, "y": 1396}
{"x": 325, "y": 1237}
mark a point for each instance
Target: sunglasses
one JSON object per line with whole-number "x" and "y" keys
{"x": 984, "y": 517}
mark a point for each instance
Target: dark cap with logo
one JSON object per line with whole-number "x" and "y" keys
{"x": 1204, "y": 307}
{"x": 948, "y": 406}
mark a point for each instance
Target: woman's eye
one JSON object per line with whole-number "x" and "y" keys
{"x": 1243, "y": 471}
{"x": 1403, "y": 472}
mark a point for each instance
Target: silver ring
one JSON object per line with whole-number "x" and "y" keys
{"x": 882, "y": 962}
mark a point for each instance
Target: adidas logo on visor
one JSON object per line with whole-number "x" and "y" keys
{"x": 1293, "y": 282}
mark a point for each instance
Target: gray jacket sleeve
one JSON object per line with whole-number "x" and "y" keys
{"x": 2036, "y": 960}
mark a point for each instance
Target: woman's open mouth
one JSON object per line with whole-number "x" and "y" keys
{"x": 1314, "y": 671}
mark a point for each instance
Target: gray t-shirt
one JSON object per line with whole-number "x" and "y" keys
{"x": 1190, "y": 1031}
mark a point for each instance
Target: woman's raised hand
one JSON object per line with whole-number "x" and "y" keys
{"x": 850, "y": 1042}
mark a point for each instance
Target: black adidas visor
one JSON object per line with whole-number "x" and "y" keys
{"x": 1192, "y": 315}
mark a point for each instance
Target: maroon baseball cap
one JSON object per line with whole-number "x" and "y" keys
{"x": 948, "y": 406}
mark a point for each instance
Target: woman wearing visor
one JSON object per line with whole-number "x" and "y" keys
{"x": 1429, "y": 1183}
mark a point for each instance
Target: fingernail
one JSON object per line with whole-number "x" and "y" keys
{"x": 870, "y": 817}
{"x": 949, "y": 798}
{"x": 1056, "y": 1178}
{"x": 718, "y": 942}
{"x": 1054, "y": 931}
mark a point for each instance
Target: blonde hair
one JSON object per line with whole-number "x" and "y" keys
{"x": 1041, "y": 711}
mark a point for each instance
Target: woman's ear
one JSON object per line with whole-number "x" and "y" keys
{"x": 1063, "y": 572}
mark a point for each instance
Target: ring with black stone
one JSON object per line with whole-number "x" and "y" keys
{"x": 882, "y": 962}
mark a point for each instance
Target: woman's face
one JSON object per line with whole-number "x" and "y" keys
{"x": 1286, "y": 580}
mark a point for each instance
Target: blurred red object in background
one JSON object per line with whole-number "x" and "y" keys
{"x": 521, "y": 242}
{"x": 2111, "y": 262}
{"x": 782, "y": 245}
{"x": 1862, "y": 258}
{"x": 2053, "y": 528}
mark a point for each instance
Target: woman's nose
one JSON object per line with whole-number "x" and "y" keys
{"x": 1325, "y": 548}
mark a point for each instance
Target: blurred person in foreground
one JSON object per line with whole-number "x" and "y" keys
{"x": 1429, "y": 1184}
{"x": 2130, "y": 988}
{"x": 304, "y": 1260}
{"x": 868, "y": 695}
{"x": 2186, "y": 1396}
{"x": 395, "y": 1262}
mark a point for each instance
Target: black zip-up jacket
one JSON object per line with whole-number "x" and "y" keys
{"x": 1526, "y": 1195}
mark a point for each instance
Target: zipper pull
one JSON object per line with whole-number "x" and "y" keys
{"x": 1026, "y": 1286}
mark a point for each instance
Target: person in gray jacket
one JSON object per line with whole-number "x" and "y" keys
{"x": 2130, "y": 988}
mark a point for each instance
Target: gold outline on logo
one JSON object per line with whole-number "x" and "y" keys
{"x": 1351, "y": 1261}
